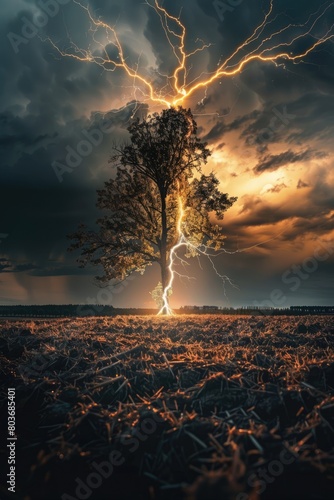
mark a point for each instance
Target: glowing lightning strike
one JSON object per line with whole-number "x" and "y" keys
{"x": 177, "y": 88}
{"x": 182, "y": 241}
{"x": 200, "y": 249}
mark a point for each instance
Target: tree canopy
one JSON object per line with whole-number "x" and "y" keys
{"x": 161, "y": 165}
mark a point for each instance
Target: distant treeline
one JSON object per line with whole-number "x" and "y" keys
{"x": 83, "y": 310}
{"x": 52, "y": 310}
{"x": 259, "y": 311}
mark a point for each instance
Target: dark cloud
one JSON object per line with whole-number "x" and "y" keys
{"x": 278, "y": 188}
{"x": 272, "y": 162}
{"x": 8, "y": 266}
{"x": 301, "y": 184}
{"x": 221, "y": 128}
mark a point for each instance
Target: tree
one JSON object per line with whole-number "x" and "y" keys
{"x": 158, "y": 168}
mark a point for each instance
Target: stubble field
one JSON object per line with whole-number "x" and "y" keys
{"x": 188, "y": 407}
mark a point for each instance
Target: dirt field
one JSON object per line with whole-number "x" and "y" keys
{"x": 189, "y": 407}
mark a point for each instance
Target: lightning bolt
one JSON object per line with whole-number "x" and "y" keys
{"x": 182, "y": 241}
{"x": 200, "y": 249}
{"x": 177, "y": 88}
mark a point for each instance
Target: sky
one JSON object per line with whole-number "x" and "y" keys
{"x": 269, "y": 127}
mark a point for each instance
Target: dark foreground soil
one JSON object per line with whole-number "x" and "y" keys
{"x": 190, "y": 407}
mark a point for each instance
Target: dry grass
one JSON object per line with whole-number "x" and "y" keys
{"x": 227, "y": 396}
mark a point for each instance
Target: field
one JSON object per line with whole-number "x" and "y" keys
{"x": 188, "y": 407}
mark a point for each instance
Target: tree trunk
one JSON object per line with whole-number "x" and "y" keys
{"x": 163, "y": 249}
{"x": 164, "y": 282}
